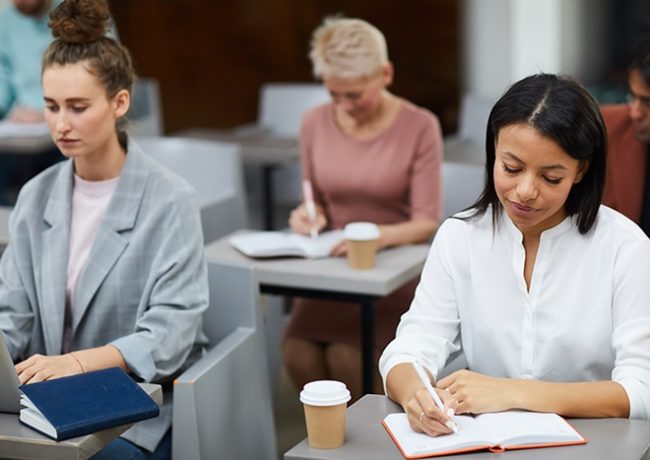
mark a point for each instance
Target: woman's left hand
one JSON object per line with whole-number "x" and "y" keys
{"x": 478, "y": 393}
{"x": 37, "y": 368}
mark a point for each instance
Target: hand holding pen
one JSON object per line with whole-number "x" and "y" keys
{"x": 308, "y": 196}
{"x": 436, "y": 399}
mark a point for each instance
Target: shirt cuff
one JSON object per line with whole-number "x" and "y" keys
{"x": 137, "y": 356}
{"x": 637, "y": 394}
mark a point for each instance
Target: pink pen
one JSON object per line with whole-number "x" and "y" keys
{"x": 308, "y": 196}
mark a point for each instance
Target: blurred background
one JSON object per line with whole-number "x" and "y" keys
{"x": 211, "y": 57}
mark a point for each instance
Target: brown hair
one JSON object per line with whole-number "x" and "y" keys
{"x": 79, "y": 28}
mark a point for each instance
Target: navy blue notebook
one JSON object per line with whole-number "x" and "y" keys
{"x": 81, "y": 404}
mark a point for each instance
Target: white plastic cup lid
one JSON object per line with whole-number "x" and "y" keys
{"x": 361, "y": 231}
{"x": 325, "y": 393}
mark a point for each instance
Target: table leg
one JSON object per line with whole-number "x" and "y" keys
{"x": 368, "y": 344}
{"x": 267, "y": 199}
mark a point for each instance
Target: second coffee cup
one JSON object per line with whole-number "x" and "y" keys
{"x": 362, "y": 241}
{"x": 325, "y": 402}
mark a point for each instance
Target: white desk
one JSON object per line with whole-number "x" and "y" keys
{"x": 259, "y": 148}
{"x": 365, "y": 437}
{"x": 331, "y": 278}
{"x": 20, "y": 441}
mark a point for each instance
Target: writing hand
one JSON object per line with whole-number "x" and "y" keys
{"x": 22, "y": 114}
{"x": 37, "y": 368}
{"x": 478, "y": 393}
{"x": 300, "y": 222}
{"x": 425, "y": 417}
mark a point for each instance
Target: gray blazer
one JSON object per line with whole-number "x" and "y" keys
{"x": 144, "y": 286}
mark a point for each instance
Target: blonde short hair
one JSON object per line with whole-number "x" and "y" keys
{"x": 347, "y": 48}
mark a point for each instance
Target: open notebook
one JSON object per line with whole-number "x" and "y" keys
{"x": 495, "y": 432}
{"x": 277, "y": 244}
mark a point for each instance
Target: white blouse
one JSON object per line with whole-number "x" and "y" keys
{"x": 585, "y": 317}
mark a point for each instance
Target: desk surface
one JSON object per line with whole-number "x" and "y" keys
{"x": 365, "y": 437}
{"x": 20, "y": 441}
{"x": 258, "y": 147}
{"x": 393, "y": 268}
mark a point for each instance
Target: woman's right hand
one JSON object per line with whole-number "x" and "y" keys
{"x": 425, "y": 417}
{"x": 300, "y": 222}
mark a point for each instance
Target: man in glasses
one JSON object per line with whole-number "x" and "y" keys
{"x": 627, "y": 188}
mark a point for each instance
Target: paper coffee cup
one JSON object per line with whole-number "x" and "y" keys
{"x": 363, "y": 240}
{"x": 325, "y": 402}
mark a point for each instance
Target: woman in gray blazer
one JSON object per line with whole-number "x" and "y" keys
{"x": 105, "y": 266}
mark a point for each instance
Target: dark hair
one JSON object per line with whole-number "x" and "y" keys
{"x": 79, "y": 28}
{"x": 563, "y": 111}
{"x": 641, "y": 61}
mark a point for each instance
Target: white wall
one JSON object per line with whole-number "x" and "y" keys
{"x": 505, "y": 40}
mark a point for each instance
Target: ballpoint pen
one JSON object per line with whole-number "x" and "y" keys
{"x": 427, "y": 384}
{"x": 308, "y": 195}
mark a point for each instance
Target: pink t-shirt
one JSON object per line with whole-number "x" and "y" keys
{"x": 90, "y": 200}
{"x": 391, "y": 178}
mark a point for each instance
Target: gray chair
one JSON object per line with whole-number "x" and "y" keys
{"x": 282, "y": 105}
{"x": 468, "y": 144}
{"x": 214, "y": 169}
{"x": 281, "y": 108}
{"x": 145, "y": 114}
{"x": 462, "y": 183}
{"x": 222, "y": 404}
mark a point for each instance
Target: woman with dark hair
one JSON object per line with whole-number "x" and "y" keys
{"x": 105, "y": 265}
{"x": 543, "y": 289}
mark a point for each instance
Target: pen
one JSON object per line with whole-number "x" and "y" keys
{"x": 308, "y": 195}
{"x": 427, "y": 384}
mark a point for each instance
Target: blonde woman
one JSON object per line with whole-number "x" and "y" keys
{"x": 370, "y": 155}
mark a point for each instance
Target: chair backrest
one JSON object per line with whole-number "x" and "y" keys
{"x": 282, "y": 105}
{"x": 222, "y": 404}
{"x": 215, "y": 170}
{"x": 462, "y": 185}
{"x": 145, "y": 114}
{"x": 234, "y": 300}
{"x": 474, "y": 113}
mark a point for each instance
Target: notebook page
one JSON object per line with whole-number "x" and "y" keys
{"x": 265, "y": 244}
{"x": 513, "y": 428}
{"x": 317, "y": 247}
{"x": 470, "y": 434}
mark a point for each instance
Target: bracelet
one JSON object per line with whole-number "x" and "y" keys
{"x": 78, "y": 362}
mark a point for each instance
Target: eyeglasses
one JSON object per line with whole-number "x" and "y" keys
{"x": 630, "y": 97}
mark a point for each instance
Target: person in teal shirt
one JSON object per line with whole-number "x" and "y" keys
{"x": 24, "y": 36}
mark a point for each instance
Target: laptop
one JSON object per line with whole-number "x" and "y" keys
{"x": 9, "y": 384}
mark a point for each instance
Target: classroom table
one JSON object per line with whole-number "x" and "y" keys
{"x": 260, "y": 148}
{"x": 365, "y": 437}
{"x": 331, "y": 278}
{"x": 20, "y": 441}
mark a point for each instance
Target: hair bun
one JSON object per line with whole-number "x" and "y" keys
{"x": 80, "y": 21}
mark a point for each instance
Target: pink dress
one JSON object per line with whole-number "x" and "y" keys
{"x": 391, "y": 178}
